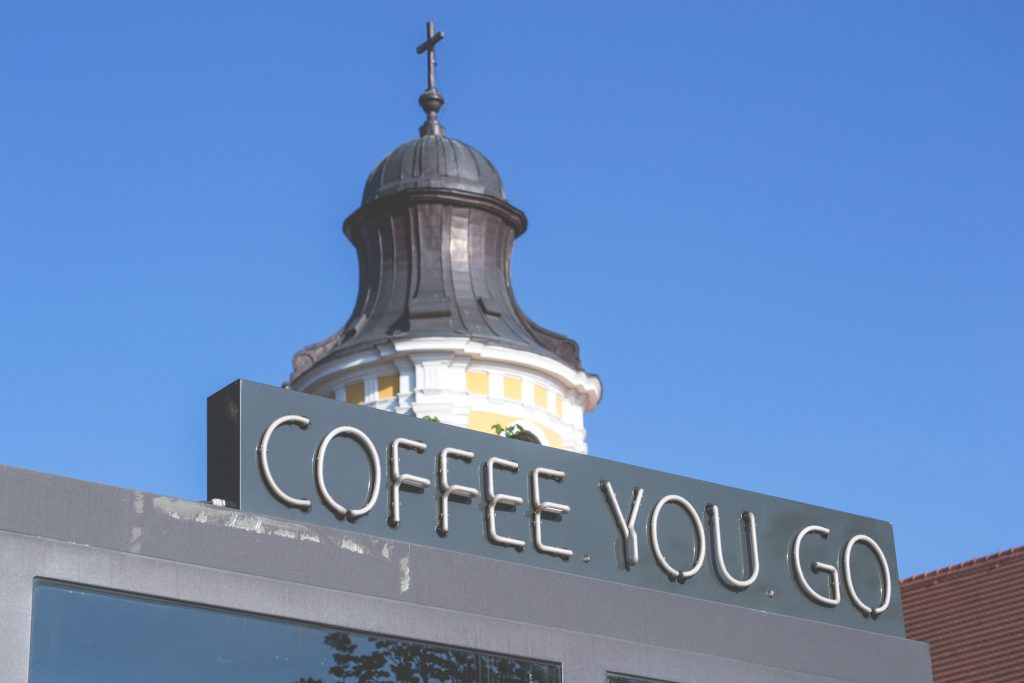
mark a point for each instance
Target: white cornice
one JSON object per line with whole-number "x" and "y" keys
{"x": 422, "y": 348}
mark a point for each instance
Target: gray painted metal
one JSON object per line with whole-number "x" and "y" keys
{"x": 434, "y": 238}
{"x": 434, "y": 261}
{"x": 433, "y": 161}
{"x": 239, "y": 415}
{"x": 68, "y": 530}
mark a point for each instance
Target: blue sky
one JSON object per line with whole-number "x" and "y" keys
{"x": 788, "y": 237}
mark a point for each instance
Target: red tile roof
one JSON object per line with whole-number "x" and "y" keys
{"x": 972, "y": 614}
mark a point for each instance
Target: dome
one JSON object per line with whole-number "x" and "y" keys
{"x": 433, "y": 161}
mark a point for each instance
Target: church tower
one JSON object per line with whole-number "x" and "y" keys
{"x": 436, "y": 330}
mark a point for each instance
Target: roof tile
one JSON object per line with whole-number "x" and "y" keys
{"x": 972, "y": 615}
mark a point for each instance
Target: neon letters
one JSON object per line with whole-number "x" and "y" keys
{"x": 699, "y": 529}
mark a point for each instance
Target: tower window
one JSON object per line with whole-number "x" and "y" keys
{"x": 528, "y": 436}
{"x": 354, "y": 393}
{"x": 387, "y": 386}
{"x": 514, "y": 388}
{"x": 477, "y": 382}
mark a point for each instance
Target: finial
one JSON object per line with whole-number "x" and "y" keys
{"x": 431, "y": 100}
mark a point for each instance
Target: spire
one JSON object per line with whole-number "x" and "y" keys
{"x": 431, "y": 100}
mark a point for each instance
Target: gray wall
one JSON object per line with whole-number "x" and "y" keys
{"x": 68, "y": 530}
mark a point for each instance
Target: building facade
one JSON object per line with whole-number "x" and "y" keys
{"x": 100, "y": 584}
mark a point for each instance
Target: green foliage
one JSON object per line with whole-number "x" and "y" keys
{"x": 512, "y": 432}
{"x": 430, "y": 418}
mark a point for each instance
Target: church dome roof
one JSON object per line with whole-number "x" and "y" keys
{"x": 433, "y": 161}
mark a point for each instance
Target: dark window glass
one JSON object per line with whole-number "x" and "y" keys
{"x": 82, "y": 635}
{"x": 528, "y": 436}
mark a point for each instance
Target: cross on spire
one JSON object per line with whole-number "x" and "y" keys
{"x": 431, "y": 100}
{"x": 428, "y": 46}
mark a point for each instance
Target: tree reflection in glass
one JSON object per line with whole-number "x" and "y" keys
{"x": 372, "y": 659}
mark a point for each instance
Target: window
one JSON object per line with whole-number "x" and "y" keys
{"x": 355, "y": 393}
{"x": 528, "y": 436}
{"x": 95, "y": 636}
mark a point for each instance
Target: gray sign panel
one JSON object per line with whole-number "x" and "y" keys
{"x": 315, "y": 460}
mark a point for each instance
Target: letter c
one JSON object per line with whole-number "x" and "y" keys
{"x": 268, "y": 478}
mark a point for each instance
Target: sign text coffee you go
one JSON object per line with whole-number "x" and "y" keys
{"x": 311, "y": 459}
